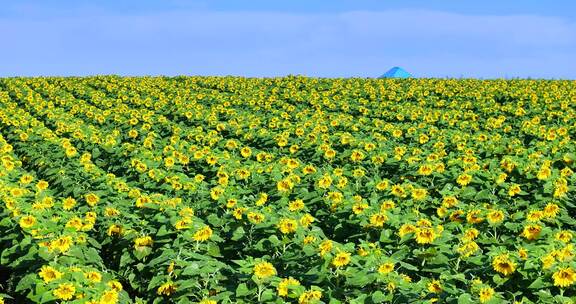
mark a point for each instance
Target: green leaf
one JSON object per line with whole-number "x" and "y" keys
{"x": 465, "y": 298}
{"x": 242, "y": 290}
{"x": 379, "y": 297}
{"x": 238, "y": 233}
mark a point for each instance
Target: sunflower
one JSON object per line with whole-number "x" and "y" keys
{"x": 109, "y": 297}
{"x": 495, "y": 217}
{"x": 425, "y": 170}
{"x": 341, "y": 259}
{"x": 284, "y": 185}
{"x": 264, "y": 270}
{"x": 143, "y": 242}
{"x": 406, "y": 229}
{"x": 386, "y": 268}
{"x": 325, "y": 247}
{"x": 532, "y": 231}
{"x": 551, "y": 210}
{"x": 464, "y": 179}
{"x": 166, "y": 289}
{"x": 91, "y": 199}
{"x": 309, "y": 297}
{"x": 65, "y": 291}
{"x": 434, "y": 286}
{"x": 486, "y": 294}
{"x": 285, "y": 284}
{"x": 306, "y": 220}
{"x": 378, "y": 219}
{"x": 61, "y": 244}
{"x": 42, "y": 185}
{"x": 564, "y": 277}
{"x": 93, "y": 276}
{"x": 287, "y": 226}
{"x": 425, "y": 235}
{"x": 246, "y": 152}
{"x": 203, "y": 234}
{"x": 564, "y": 236}
{"x": 503, "y": 264}
{"x": 27, "y": 221}
{"x": 49, "y": 273}
{"x": 296, "y": 205}
{"x": 398, "y": 191}
{"x": 419, "y": 194}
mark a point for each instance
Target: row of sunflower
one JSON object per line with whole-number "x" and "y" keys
{"x": 296, "y": 189}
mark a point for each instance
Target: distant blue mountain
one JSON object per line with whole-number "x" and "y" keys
{"x": 396, "y": 72}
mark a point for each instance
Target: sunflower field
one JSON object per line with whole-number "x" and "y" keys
{"x": 287, "y": 190}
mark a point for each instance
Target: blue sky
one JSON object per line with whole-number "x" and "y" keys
{"x": 336, "y": 38}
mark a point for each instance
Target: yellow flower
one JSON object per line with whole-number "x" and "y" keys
{"x": 513, "y": 190}
{"x": 325, "y": 182}
{"x": 382, "y": 185}
{"x": 264, "y": 270}
{"x": 68, "y": 203}
{"x": 406, "y": 229}
{"x": 166, "y": 289}
{"x": 357, "y": 156}
{"x": 485, "y": 294}
{"x": 93, "y": 276}
{"x": 398, "y": 191}
{"x": 464, "y": 179}
{"x": 532, "y": 231}
{"x": 473, "y": 217}
{"x": 325, "y": 247}
{"x": 309, "y": 297}
{"x": 386, "y": 268}
{"x": 296, "y": 205}
{"x": 306, "y": 220}
{"x": 564, "y": 277}
{"x": 256, "y": 217}
{"x": 284, "y": 284}
{"x": 27, "y": 221}
{"x": 91, "y": 199}
{"x": 115, "y": 285}
{"x": 246, "y": 152}
{"x": 341, "y": 259}
{"x": 203, "y": 234}
{"x": 564, "y": 236}
{"x": 49, "y": 273}
{"x": 523, "y": 253}
{"x": 284, "y": 185}
{"x": 503, "y": 264}
{"x": 378, "y": 219}
{"x": 495, "y": 217}
{"x": 425, "y": 170}
{"x": 26, "y": 179}
{"x": 42, "y": 185}
{"x": 208, "y": 301}
{"x": 434, "y": 286}
{"x": 109, "y": 297}
{"x": 114, "y": 230}
{"x": 468, "y": 248}
{"x": 62, "y": 244}
{"x": 551, "y": 210}
{"x": 182, "y": 224}
{"x": 419, "y": 194}
{"x": 425, "y": 235}
{"x": 359, "y": 208}
{"x": 287, "y": 226}
{"x": 65, "y": 291}
{"x": 142, "y": 243}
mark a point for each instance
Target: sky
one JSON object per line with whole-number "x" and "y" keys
{"x": 258, "y": 38}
